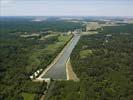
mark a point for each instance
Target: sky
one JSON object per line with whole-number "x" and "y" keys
{"x": 66, "y": 7}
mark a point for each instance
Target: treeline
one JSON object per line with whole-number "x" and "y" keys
{"x": 105, "y": 73}
{"x": 11, "y": 25}
{"x": 20, "y": 56}
{"x": 125, "y": 28}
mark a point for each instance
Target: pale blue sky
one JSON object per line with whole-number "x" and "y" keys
{"x": 66, "y": 7}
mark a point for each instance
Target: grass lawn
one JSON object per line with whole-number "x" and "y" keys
{"x": 48, "y": 36}
{"x": 28, "y": 96}
{"x": 64, "y": 38}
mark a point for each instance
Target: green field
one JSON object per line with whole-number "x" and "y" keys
{"x": 38, "y": 56}
{"x": 28, "y": 96}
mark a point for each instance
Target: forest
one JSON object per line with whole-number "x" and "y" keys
{"x": 20, "y": 57}
{"x": 26, "y": 24}
{"x": 104, "y": 64}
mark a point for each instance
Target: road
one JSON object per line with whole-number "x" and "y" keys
{"x": 58, "y": 70}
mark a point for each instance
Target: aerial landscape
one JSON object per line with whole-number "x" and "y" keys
{"x": 66, "y": 50}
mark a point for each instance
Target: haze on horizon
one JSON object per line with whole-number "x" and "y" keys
{"x": 66, "y": 8}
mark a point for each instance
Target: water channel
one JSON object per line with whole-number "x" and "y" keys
{"x": 58, "y": 70}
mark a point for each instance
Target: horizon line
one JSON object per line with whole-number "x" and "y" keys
{"x": 61, "y": 16}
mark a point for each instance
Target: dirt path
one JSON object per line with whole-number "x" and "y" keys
{"x": 42, "y": 98}
{"x": 70, "y": 73}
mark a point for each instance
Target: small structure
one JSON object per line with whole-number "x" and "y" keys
{"x": 35, "y": 74}
{"x": 31, "y": 77}
{"x": 38, "y": 71}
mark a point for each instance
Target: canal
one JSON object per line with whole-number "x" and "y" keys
{"x": 58, "y": 70}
